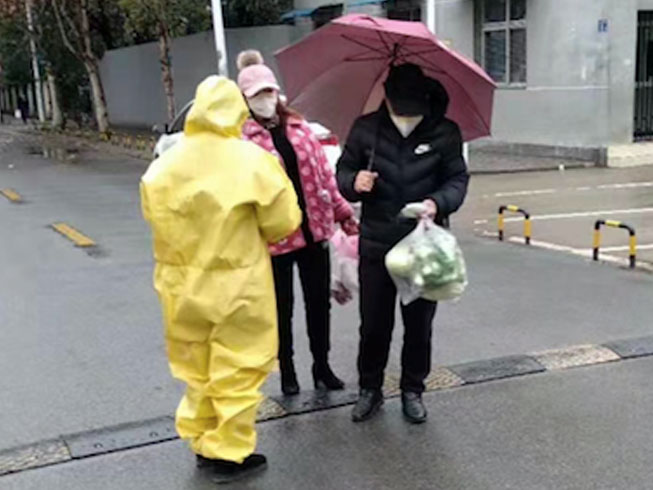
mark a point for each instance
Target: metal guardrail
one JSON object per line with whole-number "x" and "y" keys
{"x": 615, "y": 224}
{"x": 518, "y": 210}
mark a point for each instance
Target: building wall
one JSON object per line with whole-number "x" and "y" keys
{"x": 580, "y": 82}
{"x": 566, "y": 98}
{"x": 454, "y": 23}
{"x": 623, "y": 49}
{"x": 132, "y": 76}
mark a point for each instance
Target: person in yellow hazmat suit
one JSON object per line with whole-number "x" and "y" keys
{"x": 214, "y": 202}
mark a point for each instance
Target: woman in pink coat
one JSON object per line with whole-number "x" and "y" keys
{"x": 284, "y": 133}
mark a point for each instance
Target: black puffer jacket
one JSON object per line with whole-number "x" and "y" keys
{"x": 427, "y": 164}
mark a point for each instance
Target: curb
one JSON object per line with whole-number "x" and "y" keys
{"x": 145, "y": 146}
{"x": 142, "y": 144}
{"x": 154, "y": 431}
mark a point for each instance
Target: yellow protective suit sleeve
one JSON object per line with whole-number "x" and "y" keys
{"x": 145, "y": 206}
{"x": 278, "y": 202}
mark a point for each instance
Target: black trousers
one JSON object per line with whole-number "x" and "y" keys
{"x": 378, "y": 299}
{"x": 315, "y": 277}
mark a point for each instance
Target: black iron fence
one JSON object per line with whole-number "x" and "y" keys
{"x": 644, "y": 110}
{"x": 644, "y": 77}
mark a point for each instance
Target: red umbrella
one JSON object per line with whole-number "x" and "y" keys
{"x": 336, "y": 74}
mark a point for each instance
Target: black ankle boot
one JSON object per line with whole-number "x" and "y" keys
{"x": 289, "y": 384}
{"x": 221, "y": 471}
{"x": 325, "y": 379}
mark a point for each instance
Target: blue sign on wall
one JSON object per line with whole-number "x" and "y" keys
{"x": 603, "y": 25}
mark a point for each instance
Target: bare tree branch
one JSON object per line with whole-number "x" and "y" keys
{"x": 62, "y": 29}
{"x": 86, "y": 32}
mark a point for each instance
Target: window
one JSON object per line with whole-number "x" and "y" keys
{"x": 325, "y": 14}
{"x": 504, "y": 40}
{"x": 404, "y": 10}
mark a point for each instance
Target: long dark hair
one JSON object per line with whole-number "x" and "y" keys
{"x": 284, "y": 113}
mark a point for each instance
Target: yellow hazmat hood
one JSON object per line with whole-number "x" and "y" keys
{"x": 219, "y": 108}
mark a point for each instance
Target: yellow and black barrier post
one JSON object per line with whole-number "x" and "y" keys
{"x": 616, "y": 224}
{"x": 527, "y": 221}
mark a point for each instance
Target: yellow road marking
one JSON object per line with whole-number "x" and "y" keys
{"x": 78, "y": 238}
{"x": 12, "y": 195}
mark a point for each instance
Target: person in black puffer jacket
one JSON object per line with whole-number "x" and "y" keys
{"x": 406, "y": 152}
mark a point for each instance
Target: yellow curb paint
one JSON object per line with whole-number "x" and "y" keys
{"x": 12, "y": 195}
{"x": 78, "y": 238}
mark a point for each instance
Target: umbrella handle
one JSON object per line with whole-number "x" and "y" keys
{"x": 370, "y": 162}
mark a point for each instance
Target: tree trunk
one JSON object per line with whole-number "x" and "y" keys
{"x": 2, "y": 92}
{"x": 166, "y": 70}
{"x": 57, "y": 114}
{"x": 92, "y": 68}
{"x": 97, "y": 92}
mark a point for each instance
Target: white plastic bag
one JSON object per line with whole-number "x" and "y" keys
{"x": 427, "y": 264}
{"x": 344, "y": 269}
{"x": 18, "y": 114}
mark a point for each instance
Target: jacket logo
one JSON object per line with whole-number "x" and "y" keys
{"x": 423, "y": 148}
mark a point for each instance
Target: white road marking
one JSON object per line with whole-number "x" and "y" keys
{"x": 586, "y": 253}
{"x": 626, "y": 185}
{"x": 626, "y": 248}
{"x": 584, "y": 214}
{"x": 547, "y": 245}
{"x": 534, "y": 192}
{"x": 537, "y": 192}
{"x": 567, "y": 88}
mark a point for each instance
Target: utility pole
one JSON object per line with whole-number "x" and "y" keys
{"x": 220, "y": 42}
{"x": 431, "y": 15}
{"x": 35, "y": 61}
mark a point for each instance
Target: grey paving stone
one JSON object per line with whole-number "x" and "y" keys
{"x": 629, "y": 348}
{"x": 502, "y": 367}
{"x": 121, "y": 437}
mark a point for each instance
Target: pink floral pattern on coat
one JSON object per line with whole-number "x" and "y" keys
{"x": 325, "y": 206}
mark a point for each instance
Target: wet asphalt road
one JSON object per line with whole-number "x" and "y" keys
{"x": 82, "y": 345}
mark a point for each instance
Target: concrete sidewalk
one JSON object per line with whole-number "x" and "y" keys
{"x": 588, "y": 428}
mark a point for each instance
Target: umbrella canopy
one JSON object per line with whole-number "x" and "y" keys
{"x": 336, "y": 74}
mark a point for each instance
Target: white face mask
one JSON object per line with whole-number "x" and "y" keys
{"x": 405, "y": 124}
{"x": 264, "y": 104}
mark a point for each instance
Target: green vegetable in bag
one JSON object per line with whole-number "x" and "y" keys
{"x": 428, "y": 263}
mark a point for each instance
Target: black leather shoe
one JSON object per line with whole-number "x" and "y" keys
{"x": 413, "y": 407}
{"x": 368, "y": 404}
{"x": 289, "y": 384}
{"x": 324, "y": 378}
{"x": 222, "y": 471}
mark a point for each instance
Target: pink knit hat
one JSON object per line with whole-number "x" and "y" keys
{"x": 254, "y": 76}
